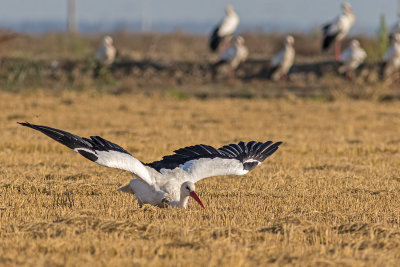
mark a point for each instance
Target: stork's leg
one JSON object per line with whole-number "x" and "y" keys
{"x": 231, "y": 73}
{"x": 348, "y": 76}
{"x": 337, "y": 51}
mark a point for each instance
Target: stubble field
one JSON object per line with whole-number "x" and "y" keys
{"x": 329, "y": 196}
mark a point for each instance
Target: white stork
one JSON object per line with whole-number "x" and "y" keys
{"x": 352, "y": 57}
{"x": 391, "y": 59}
{"x": 338, "y": 29}
{"x": 224, "y": 29}
{"x": 105, "y": 55}
{"x": 170, "y": 181}
{"x": 234, "y": 55}
{"x": 283, "y": 61}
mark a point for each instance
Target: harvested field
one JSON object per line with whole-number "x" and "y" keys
{"x": 329, "y": 196}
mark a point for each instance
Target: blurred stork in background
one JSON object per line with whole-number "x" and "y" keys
{"x": 351, "y": 58}
{"x": 225, "y": 29}
{"x": 391, "y": 59}
{"x": 105, "y": 55}
{"x": 233, "y": 56}
{"x": 283, "y": 61}
{"x": 335, "y": 31}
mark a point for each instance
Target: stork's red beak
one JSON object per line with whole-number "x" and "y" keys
{"x": 196, "y": 197}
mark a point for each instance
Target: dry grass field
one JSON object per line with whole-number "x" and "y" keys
{"x": 329, "y": 196}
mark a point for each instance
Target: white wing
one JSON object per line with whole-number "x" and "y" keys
{"x": 98, "y": 150}
{"x": 229, "y": 54}
{"x": 205, "y": 167}
{"x": 346, "y": 55}
{"x": 202, "y": 161}
{"x": 277, "y": 60}
{"x": 359, "y": 55}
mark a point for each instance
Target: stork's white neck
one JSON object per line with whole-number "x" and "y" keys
{"x": 183, "y": 202}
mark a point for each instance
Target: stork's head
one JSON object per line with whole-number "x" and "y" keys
{"x": 289, "y": 40}
{"x": 187, "y": 189}
{"x": 107, "y": 40}
{"x": 229, "y": 9}
{"x": 239, "y": 40}
{"x": 355, "y": 44}
{"x": 346, "y": 7}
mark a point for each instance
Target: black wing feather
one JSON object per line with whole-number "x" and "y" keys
{"x": 215, "y": 39}
{"x": 328, "y": 40}
{"x": 262, "y": 147}
{"x": 228, "y": 149}
{"x": 243, "y": 147}
{"x": 325, "y": 28}
{"x": 99, "y": 150}
{"x": 269, "y": 151}
{"x": 250, "y": 154}
{"x": 254, "y": 149}
{"x": 250, "y": 146}
{"x": 95, "y": 143}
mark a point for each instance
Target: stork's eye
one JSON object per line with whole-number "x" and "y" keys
{"x": 187, "y": 187}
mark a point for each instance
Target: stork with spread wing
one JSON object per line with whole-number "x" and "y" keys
{"x": 170, "y": 181}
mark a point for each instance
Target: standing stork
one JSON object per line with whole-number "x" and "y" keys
{"x": 105, "y": 55}
{"x": 338, "y": 29}
{"x": 351, "y": 58}
{"x": 234, "y": 55}
{"x": 224, "y": 29}
{"x": 170, "y": 181}
{"x": 283, "y": 61}
{"x": 391, "y": 59}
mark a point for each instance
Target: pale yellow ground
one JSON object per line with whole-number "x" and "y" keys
{"x": 329, "y": 196}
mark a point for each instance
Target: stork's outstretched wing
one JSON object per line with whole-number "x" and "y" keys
{"x": 202, "y": 161}
{"x": 97, "y": 149}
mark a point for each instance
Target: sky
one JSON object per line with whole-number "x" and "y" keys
{"x": 281, "y": 14}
